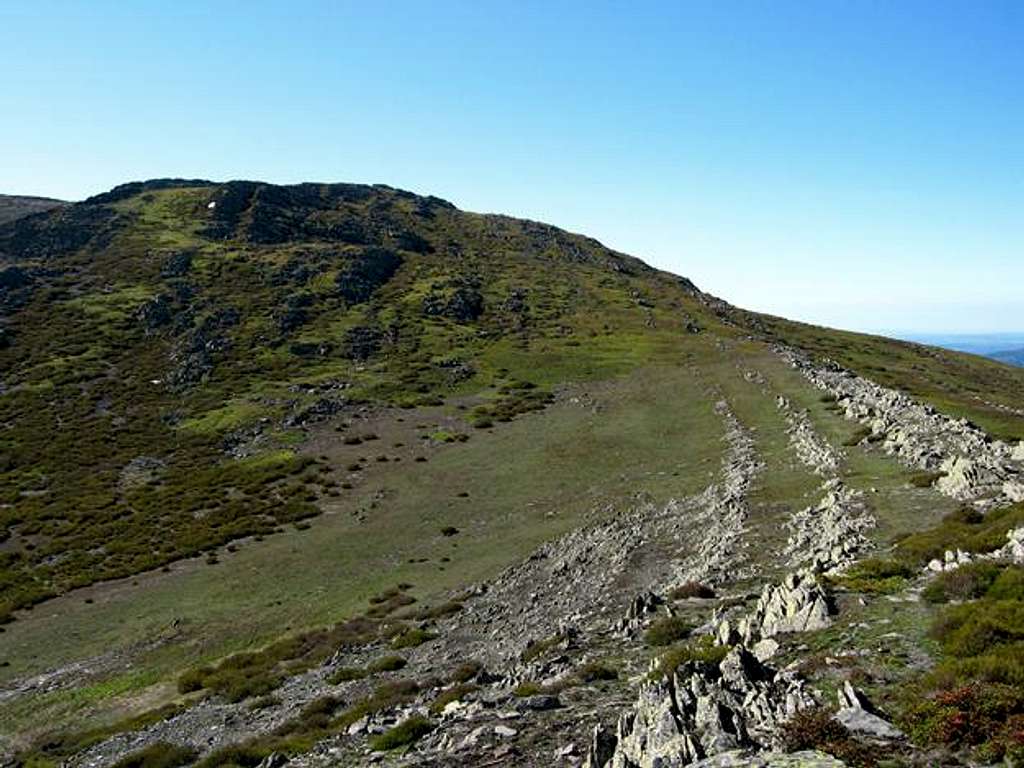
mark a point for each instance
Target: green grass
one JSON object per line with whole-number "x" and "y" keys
{"x": 405, "y": 733}
{"x": 667, "y": 630}
{"x": 647, "y": 432}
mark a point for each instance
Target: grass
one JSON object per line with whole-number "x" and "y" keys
{"x": 644, "y": 434}
{"x": 876, "y": 576}
{"x": 667, "y": 630}
{"x": 407, "y": 732}
{"x": 702, "y": 649}
{"x": 963, "y": 529}
{"x": 158, "y": 755}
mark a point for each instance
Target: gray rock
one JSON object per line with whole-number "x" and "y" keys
{"x": 705, "y": 709}
{"x": 862, "y": 723}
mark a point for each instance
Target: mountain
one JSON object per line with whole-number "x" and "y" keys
{"x": 321, "y": 472}
{"x": 15, "y": 206}
{"x": 1011, "y": 356}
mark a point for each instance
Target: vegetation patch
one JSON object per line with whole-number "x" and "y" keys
{"x": 454, "y": 693}
{"x": 407, "y": 732}
{"x": 876, "y": 576}
{"x": 702, "y": 649}
{"x": 667, "y": 630}
{"x": 814, "y": 729}
{"x": 691, "y": 589}
{"x": 158, "y": 755}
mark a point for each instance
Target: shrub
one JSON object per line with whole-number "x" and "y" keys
{"x": 702, "y": 649}
{"x": 812, "y": 729}
{"x": 876, "y": 576}
{"x": 965, "y": 529}
{"x": 925, "y": 479}
{"x": 536, "y": 649}
{"x": 158, "y": 755}
{"x": 388, "y": 664}
{"x": 315, "y": 715}
{"x": 438, "y": 611}
{"x": 595, "y": 671}
{"x": 412, "y": 638}
{"x": 345, "y": 674}
{"x": 977, "y": 628}
{"x": 405, "y": 733}
{"x": 968, "y": 582}
{"x": 815, "y": 729}
{"x": 1009, "y": 585}
{"x": 691, "y": 589}
{"x": 667, "y": 630}
{"x": 466, "y": 672}
{"x": 526, "y": 689}
{"x": 965, "y": 716}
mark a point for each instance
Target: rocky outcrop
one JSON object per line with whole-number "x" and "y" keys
{"x": 722, "y": 510}
{"x": 700, "y": 710}
{"x": 827, "y": 536}
{"x": 976, "y": 466}
{"x": 858, "y": 717}
{"x": 798, "y": 604}
{"x": 812, "y": 450}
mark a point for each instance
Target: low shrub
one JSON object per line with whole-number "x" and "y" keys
{"x": 691, "y": 589}
{"x": 405, "y": 733}
{"x": 980, "y": 627}
{"x": 702, "y": 649}
{"x": 391, "y": 663}
{"x": 667, "y": 630}
{"x": 925, "y": 479}
{"x": 412, "y": 638}
{"x": 536, "y": 649}
{"x": 526, "y": 689}
{"x": 976, "y": 715}
{"x": 876, "y": 576}
{"x": 438, "y": 611}
{"x": 158, "y": 755}
{"x": 968, "y": 582}
{"x": 965, "y": 529}
{"x": 814, "y": 729}
{"x": 595, "y": 671}
{"x": 346, "y": 674}
{"x": 466, "y": 672}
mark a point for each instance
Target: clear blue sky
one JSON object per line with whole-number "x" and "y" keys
{"x": 859, "y": 164}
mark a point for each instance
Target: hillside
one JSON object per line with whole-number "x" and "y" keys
{"x": 294, "y": 471}
{"x": 15, "y": 206}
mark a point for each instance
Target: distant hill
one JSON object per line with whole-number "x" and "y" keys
{"x": 16, "y": 206}
{"x": 1011, "y": 356}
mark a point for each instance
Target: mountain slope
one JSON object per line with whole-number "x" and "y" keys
{"x": 236, "y": 411}
{"x": 16, "y": 206}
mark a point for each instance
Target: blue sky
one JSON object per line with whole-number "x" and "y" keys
{"x": 858, "y": 164}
